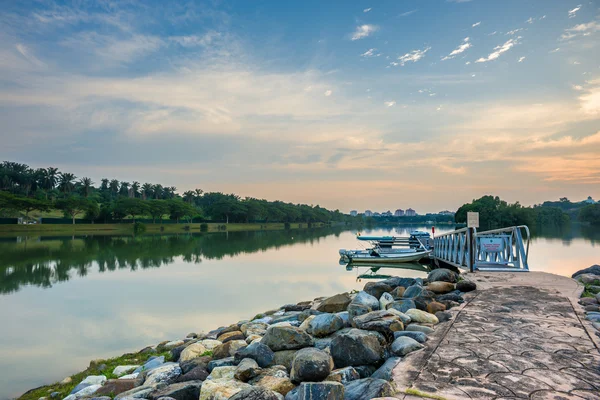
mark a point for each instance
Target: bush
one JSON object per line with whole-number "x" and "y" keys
{"x": 204, "y": 227}
{"x": 287, "y": 225}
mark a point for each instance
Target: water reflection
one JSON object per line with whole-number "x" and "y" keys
{"x": 45, "y": 261}
{"x": 378, "y": 271}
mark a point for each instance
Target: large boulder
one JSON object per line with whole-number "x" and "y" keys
{"x": 256, "y": 393}
{"x": 594, "y": 269}
{"x": 442, "y": 275}
{"x": 376, "y": 289}
{"x": 286, "y": 338}
{"x": 588, "y": 279}
{"x": 335, "y": 304}
{"x": 153, "y": 362}
{"x": 356, "y": 347}
{"x": 179, "y": 391}
{"x": 404, "y": 345}
{"x": 199, "y": 373}
{"x": 222, "y": 362}
{"x": 385, "y": 371}
{"x": 187, "y": 366}
{"x": 398, "y": 292}
{"x": 368, "y": 388}
{"x": 123, "y": 369}
{"x": 402, "y": 305}
{"x": 397, "y": 281}
{"x": 228, "y": 349}
{"x": 434, "y": 307}
{"x": 192, "y": 351}
{"x": 452, "y": 296}
{"x": 116, "y": 386}
{"x": 281, "y": 385}
{"x": 324, "y": 325}
{"x": 413, "y": 291}
{"x": 439, "y": 287}
{"x": 321, "y": 391}
{"x": 419, "y": 328}
{"x": 343, "y": 375}
{"x": 89, "y": 381}
{"x": 233, "y": 335}
{"x": 366, "y": 299}
{"x": 311, "y": 365}
{"x": 254, "y": 328}
{"x": 221, "y": 389}
{"x": 418, "y": 336}
{"x": 382, "y": 321}
{"x": 259, "y": 352}
{"x": 210, "y": 344}
{"x": 246, "y": 370}
{"x": 168, "y": 373}
{"x": 422, "y": 317}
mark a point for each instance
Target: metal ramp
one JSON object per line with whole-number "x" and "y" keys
{"x": 499, "y": 250}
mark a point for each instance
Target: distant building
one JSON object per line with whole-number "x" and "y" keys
{"x": 399, "y": 213}
{"x": 368, "y": 213}
{"x": 410, "y": 212}
{"x": 446, "y": 212}
{"x": 388, "y": 213}
{"x": 590, "y": 200}
{"x": 354, "y": 213}
{"x": 377, "y": 214}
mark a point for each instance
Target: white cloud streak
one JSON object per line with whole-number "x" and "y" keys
{"x": 476, "y": 24}
{"x": 390, "y": 103}
{"x": 366, "y": 10}
{"x": 369, "y": 53}
{"x": 413, "y": 56}
{"x": 498, "y": 50}
{"x": 581, "y": 30}
{"x": 573, "y": 12}
{"x": 460, "y": 49}
{"x": 363, "y": 31}
{"x": 406, "y": 14}
{"x": 521, "y": 59}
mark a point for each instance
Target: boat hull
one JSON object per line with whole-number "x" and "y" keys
{"x": 405, "y": 257}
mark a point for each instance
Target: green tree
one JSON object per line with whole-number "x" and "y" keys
{"x": 66, "y": 182}
{"x": 157, "y": 209}
{"x": 131, "y": 206}
{"x": 590, "y": 214}
{"x": 180, "y": 209}
{"x": 86, "y": 186}
{"x": 74, "y": 205}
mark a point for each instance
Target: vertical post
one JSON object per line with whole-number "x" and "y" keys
{"x": 472, "y": 248}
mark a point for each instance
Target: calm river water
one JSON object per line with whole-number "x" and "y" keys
{"x": 65, "y": 301}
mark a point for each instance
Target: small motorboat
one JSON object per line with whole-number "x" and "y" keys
{"x": 385, "y": 249}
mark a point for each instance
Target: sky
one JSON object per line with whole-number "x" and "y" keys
{"x": 348, "y": 104}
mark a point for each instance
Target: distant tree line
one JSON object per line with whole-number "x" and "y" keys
{"x": 23, "y": 190}
{"x": 496, "y": 213}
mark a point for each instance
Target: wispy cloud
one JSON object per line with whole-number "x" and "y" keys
{"x": 458, "y": 1}
{"x": 573, "y": 12}
{"x": 521, "y": 59}
{"x": 514, "y": 31}
{"x": 556, "y": 50}
{"x": 581, "y": 30}
{"x": 406, "y": 14}
{"x": 460, "y": 49}
{"x": 28, "y": 55}
{"x": 530, "y": 20}
{"x": 498, "y": 50}
{"x": 476, "y": 24}
{"x": 390, "y": 103}
{"x": 363, "y": 31}
{"x": 369, "y": 53}
{"x": 328, "y": 93}
{"x": 366, "y": 10}
{"x": 413, "y": 56}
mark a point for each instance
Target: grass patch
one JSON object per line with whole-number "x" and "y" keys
{"x": 587, "y": 292}
{"x": 111, "y": 363}
{"x": 414, "y": 392}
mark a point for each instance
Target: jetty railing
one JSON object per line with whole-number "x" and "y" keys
{"x": 455, "y": 248}
{"x": 494, "y": 250}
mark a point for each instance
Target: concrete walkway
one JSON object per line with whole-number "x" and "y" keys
{"x": 520, "y": 336}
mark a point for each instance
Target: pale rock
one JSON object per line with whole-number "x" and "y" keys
{"x": 192, "y": 351}
{"x": 422, "y": 316}
{"x": 210, "y": 344}
{"x": 221, "y": 389}
{"x": 222, "y": 373}
{"x": 123, "y": 369}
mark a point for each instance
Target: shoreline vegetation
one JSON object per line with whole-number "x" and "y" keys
{"x": 345, "y": 345}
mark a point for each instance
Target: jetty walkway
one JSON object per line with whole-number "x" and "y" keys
{"x": 521, "y": 335}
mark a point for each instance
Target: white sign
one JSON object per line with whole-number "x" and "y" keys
{"x": 491, "y": 245}
{"x": 472, "y": 219}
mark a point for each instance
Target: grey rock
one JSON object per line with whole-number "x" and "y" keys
{"x": 443, "y": 316}
{"x": 365, "y": 371}
{"x": 385, "y": 371}
{"x": 365, "y": 299}
{"x": 292, "y": 394}
{"x": 323, "y": 343}
{"x": 246, "y": 370}
{"x": 295, "y": 307}
{"x": 196, "y": 374}
{"x": 286, "y": 338}
{"x": 89, "y": 381}
{"x": 307, "y": 313}
{"x": 368, "y": 388}
{"x": 382, "y": 321}
{"x": 254, "y": 328}
{"x": 466, "y": 286}
{"x": 311, "y": 365}
{"x": 345, "y": 316}
{"x": 403, "y": 305}
{"x": 418, "y": 336}
{"x": 256, "y": 393}
{"x": 223, "y": 362}
{"x": 355, "y": 310}
{"x": 167, "y": 373}
{"x": 586, "y": 301}
{"x": 335, "y": 304}
{"x": 395, "y": 282}
{"x": 259, "y": 352}
{"x": 187, "y": 366}
{"x": 594, "y": 269}
{"x": 291, "y": 316}
{"x": 356, "y": 347}
{"x": 593, "y": 289}
{"x": 413, "y": 291}
{"x": 343, "y": 375}
{"x": 285, "y": 358}
{"x": 152, "y": 363}
{"x": 419, "y": 328}
{"x": 321, "y": 391}
{"x": 442, "y": 275}
{"x": 450, "y": 297}
{"x": 325, "y": 324}
{"x": 593, "y": 317}
{"x": 179, "y": 391}
{"x": 376, "y": 289}
{"x": 405, "y": 345}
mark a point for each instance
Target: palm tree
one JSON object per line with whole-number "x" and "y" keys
{"x": 86, "y": 185}
{"x": 189, "y": 196}
{"x": 158, "y": 191}
{"x": 124, "y": 189}
{"x": 135, "y": 189}
{"x": 114, "y": 187}
{"x": 66, "y": 182}
{"x": 146, "y": 191}
{"x": 104, "y": 185}
{"x": 171, "y": 191}
{"x": 198, "y": 193}
{"x": 51, "y": 178}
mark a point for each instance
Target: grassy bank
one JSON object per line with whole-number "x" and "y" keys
{"x": 111, "y": 229}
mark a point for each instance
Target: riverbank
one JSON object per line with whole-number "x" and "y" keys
{"x": 112, "y": 229}
{"x": 444, "y": 337}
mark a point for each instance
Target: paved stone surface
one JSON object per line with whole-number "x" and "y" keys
{"x": 520, "y": 336}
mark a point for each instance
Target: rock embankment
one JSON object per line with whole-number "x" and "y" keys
{"x": 590, "y": 300}
{"x": 339, "y": 347}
